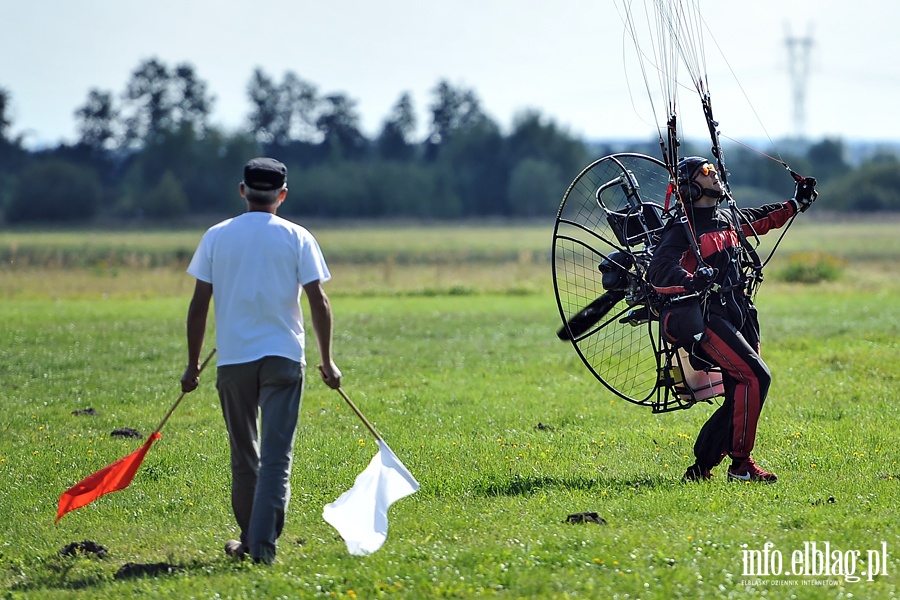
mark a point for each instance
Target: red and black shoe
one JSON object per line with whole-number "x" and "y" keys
{"x": 696, "y": 473}
{"x": 747, "y": 470}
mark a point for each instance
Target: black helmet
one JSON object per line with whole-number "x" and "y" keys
{"x": 687, "y": 168}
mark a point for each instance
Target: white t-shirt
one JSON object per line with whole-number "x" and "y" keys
{"x": 257, "y": 264}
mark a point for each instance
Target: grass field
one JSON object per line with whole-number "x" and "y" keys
{"x": 446, "y": 339}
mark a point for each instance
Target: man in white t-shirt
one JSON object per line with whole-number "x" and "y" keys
{"x": 257, "y": 265}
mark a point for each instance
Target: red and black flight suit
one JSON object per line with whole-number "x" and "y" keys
{"x": 731, "y": 336}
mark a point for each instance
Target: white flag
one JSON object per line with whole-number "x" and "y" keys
{"x": 360, "y": 514}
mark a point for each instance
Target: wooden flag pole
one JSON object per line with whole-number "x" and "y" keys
{"x": 359, "y": 414}
{"x": 181, "y": 397}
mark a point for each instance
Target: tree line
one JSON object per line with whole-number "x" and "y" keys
{"x": 150, "y": 152}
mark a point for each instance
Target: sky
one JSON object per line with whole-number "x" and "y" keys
{"x": 571, "y": 60}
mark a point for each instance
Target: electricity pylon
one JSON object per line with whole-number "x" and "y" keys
{"x": 798, "y": 69}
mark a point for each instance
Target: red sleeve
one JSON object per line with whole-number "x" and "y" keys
{"x": 767, "y": 217}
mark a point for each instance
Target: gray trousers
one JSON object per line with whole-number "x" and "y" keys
{"x": 269, "y": 389}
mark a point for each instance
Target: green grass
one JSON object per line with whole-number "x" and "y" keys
{"x": 505, "y": 430}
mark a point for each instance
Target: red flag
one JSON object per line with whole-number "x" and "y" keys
{"x": 110, "y": 478}
{"x": 118, "y": 475}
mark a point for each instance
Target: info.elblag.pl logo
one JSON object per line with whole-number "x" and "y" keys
{"x": 816, "y": 559}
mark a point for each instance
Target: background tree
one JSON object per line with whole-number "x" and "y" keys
{"x": 467, "y": 148}
{"x": 334, "y": 189}
{"x": 339, "y": 125}
{"x": 148, "y": 103}
{"x": 453, "y": 109}
{"x": 166, "y": 200}
{"x": 5, "y": 121}
{"x": 283, "y": 117}
{"x": 535, "y": 188}
{"x": 410, "y": 189}
{"x": 395, "y": 140}
{"x": 826, "y": 160}
{"x": 874, "y": 187}
{"x": 159, "y": 101}
{"x": 208, "y": 169}
{"x": 535, "y": 137}
{"x": 748, "y": 169}
{"x": 300, "y": 107}
{"x": 265, "y": 117}
{"x": 10, "y": 146}
{"x": 192, "y": 102}
{"x": 473, "y": 155}
{"x": 157, "y": 156}
{"x": 96, "y": 121}
{"x": 12, "y": 155}
{"x": 55, "y": 191}
{"x": 284, "y": 112}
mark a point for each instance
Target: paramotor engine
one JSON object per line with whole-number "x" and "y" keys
{"x": 608, "y": 223}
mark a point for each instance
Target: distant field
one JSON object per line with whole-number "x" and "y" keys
{"x": 449, "y": 349}
{"x": 391, "y": 259}
{"x": 851, "y": 237}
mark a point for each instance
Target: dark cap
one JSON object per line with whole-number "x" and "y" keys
{"x": 265, "y": 174}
